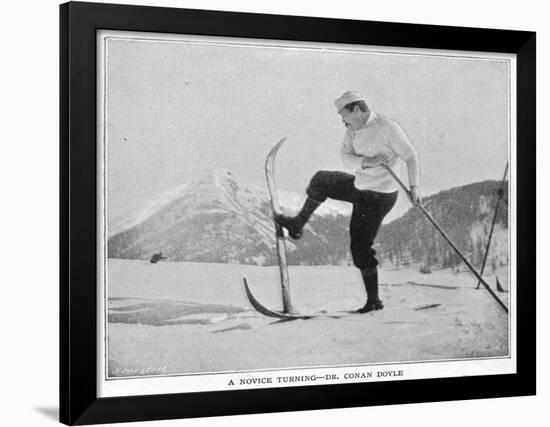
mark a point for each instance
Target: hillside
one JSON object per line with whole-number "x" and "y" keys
{"x": 219, "y": 218}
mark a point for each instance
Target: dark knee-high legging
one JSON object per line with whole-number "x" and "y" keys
{"x": 369, "y": 209}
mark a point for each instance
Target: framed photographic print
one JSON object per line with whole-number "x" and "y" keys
{"x": 268, "y": 213}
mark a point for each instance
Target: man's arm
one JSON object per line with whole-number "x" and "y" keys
{"x": 400, "y": 144}
{"x": 350, "y": 158}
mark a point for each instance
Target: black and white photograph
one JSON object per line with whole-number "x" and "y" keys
{"x": 284, "y": 213}
{"x": 277, "y": 213}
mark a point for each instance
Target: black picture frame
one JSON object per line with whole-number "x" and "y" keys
{"x": 79, "y": 403}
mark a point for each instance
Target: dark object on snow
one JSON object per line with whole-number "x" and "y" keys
{"x": 499, "y": 286}
{"x": 425, "y": 307}
{"x": 429, "y": 285}
{"x": 425, "y": 269}
{"x": 157, "y": 257}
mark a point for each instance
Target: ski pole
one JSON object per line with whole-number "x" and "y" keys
{"x": 447, "y": 238}
{"x": 500, "y": 195}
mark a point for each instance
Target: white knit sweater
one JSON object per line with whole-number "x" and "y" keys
{"x": 380, "y": 135}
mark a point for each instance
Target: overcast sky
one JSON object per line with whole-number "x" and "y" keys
{"x": 178, "y": 109}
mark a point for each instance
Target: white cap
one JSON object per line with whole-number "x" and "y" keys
{"x": 347, "y": 98}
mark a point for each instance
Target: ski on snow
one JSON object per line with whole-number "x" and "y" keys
{"x": 288, "y": 313}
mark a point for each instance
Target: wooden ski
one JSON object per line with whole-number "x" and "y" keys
{"x": 288, "y": 310}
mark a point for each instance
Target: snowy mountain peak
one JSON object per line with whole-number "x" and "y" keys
{"x": 218, "y": 177}
{"x": 228, "y": 190}
{"x": 212, "y": 218}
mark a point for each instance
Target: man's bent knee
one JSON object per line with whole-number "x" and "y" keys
{"x": 362, "y": 263}
{"x": 317, "y": 188}
{"x": 363, "y": 255}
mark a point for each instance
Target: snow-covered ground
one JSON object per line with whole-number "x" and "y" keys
{"x": 195, "y": 317}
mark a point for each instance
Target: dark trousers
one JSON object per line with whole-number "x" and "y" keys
{"x": 369, "y": 209}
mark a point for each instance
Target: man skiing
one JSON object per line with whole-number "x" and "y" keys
{"x": 371, "y": 140}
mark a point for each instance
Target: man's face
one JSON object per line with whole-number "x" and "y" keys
{"x": 355, "y": 118}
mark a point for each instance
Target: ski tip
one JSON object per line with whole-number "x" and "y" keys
{"x": 266, "y": 311}
{"x": 276, "y": 148}
{"x": 246, "y": 285}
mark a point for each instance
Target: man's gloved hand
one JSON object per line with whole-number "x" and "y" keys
{"x": 370, "y": 162}
{"x": 414, "y": 195}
